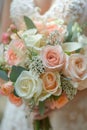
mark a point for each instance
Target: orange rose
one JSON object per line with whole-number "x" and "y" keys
{"x": 63, "y": 100}
{"x": 53, "y": 57}
{"x": 7, "y": 88}
{"x": 50, "y": 83}
{"x": 15, "y": 100}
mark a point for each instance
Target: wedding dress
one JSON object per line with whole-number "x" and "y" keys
{"x": 73, "y": 116}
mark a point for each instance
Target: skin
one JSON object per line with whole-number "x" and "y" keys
{"x": 44, "y": 5}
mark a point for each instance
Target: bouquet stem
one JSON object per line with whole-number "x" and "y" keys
{"x": 42, "y": 124}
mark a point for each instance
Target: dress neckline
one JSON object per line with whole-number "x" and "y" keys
{"x": 45, "y": 10}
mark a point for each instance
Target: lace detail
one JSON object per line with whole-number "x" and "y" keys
{"x": 65, "y": 9}
{"x": 74, "y": 115}
{"x": 69, "y": 10}
{"x": 21, "y": 8}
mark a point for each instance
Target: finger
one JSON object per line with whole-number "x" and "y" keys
{"x": 39, "y": 117}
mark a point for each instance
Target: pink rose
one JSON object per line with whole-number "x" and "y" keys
{"x": 53, "y": 57}
{"x": 76, "y": 67}
{"x": 7, "y": 88}
{"x": 5, "y": 38}
{"x": 15, "y": 53}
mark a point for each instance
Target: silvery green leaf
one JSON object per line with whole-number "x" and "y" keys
{"x": 29, "y": 23}
{"x": 3, "y": 75}
{"x": 15, "y": 72}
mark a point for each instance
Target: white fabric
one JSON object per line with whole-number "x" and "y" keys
{"x": 74, "y": 115}
{"x": 66, "y": 9}
{"x": 69, "y": 10}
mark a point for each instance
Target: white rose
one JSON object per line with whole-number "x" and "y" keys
{"x": 28, "y": 86}
{"x": 32, "y": 39}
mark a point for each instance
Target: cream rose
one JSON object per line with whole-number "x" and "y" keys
{"x": 28, "y": 85}
{"x": 53, "y": 57}
{"x": 76, "y": 67}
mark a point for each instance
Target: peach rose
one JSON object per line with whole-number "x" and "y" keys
{"x": 53, "y": 57}
{"x": 46, "y": 28}
{"x": 7, "y": 88}
{"x": 15, "y": 53}
{"x": 76, "y": 67}
{"x": 49, "y": 26}
{"x": 51, "y": 83}
{"x": 15, "y": 100}
{"x": 52, "y": 27}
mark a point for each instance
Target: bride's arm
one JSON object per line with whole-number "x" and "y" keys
{"x": 5, "y": 21}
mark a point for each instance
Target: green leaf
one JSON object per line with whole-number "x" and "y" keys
{"x": 41, "y": 108}
{"x": 15, "y": 93}
{"x": 70, "y": 33}
{"x": 29, "y": 23}
{"x": 74, "y": 36}
{"x": 69, "y": 27}
{"x": 16, "y": 71}
{"x": 3, "y": 75}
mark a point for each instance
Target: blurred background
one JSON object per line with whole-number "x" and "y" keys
{"x": 2, "y": 98}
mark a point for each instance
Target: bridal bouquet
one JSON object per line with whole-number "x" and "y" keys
{"x": 43, "y": 65}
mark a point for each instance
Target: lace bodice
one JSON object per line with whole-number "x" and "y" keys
{"x": 69, "y": 10}
{"x": 20, "y": 8}
{"x": 65, "y": 9}
{"x": 74, "y": 115}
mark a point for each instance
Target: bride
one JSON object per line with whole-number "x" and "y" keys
{"x": 73, "y": 116}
